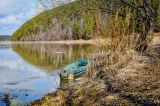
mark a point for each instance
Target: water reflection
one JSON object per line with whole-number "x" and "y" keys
{"x": 52, "y": 56}
{"x": 27, "y": 71}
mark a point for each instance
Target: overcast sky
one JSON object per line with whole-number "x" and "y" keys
{"x": 13, "y": 13}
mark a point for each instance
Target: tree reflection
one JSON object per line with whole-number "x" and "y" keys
{"x": 52, "y": 56}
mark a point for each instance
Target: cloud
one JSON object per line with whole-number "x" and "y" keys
{"x": 15, "y": 6}
{"x": 12, "y": 19}
{"x": 9, "y": 6}
{"x": 14, "y": 13}
{"x": 18, "y": 18}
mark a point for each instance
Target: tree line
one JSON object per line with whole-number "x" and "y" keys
{"x": 4, "y": 38}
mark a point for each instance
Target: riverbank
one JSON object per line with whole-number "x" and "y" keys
{"x": 130, "y": 83}
{"x": 134, "y": 83}
{"x": 87, "y": 92}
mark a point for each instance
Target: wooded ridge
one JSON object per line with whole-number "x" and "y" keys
{"x": 82, "y": 19}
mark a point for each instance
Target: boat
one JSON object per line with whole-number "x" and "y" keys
{"x": 74, "y": 69}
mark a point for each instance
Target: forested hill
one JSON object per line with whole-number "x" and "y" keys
{"x": 61, "y": 23}
{"x": 81, "y": 19}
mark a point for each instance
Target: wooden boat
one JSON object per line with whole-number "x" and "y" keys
{"x": 74, "y": 69}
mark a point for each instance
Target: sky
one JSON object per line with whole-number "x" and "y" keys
{"x": 14, "y": 13}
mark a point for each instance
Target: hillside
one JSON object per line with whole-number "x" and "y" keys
{"x": 59, "y": 23}
{"x": 81, "y": 19}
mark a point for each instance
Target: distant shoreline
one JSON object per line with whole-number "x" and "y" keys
{"x": 5, "y": 42}
{"x": 92, "y": 41}
{"x": 100, "y": 41}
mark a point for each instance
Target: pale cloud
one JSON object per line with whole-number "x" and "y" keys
{"x": 18, "y": 18}
{"x": 9, "y": 6}
{"x": 12, "y": 19}
{"x": 14, "y": 13}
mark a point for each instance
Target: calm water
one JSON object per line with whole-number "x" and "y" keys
{"x": 29, "y": 71}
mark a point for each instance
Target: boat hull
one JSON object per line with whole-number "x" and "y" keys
{"x": 77, "y": 68}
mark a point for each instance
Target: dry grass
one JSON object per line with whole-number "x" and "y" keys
{"x": 139, "y": 79}
{"x": 120, "y": 45}
{"x": 135, "y": 75}
{"x": 156, "y": 39}
{"x": 87, "y": 92}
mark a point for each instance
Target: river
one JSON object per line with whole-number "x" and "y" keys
{"x": 29, "y": 71}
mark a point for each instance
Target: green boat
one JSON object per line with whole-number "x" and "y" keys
{"x": 74, "y": 69}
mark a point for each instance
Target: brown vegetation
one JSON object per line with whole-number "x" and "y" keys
{"x": 87, "y": 92}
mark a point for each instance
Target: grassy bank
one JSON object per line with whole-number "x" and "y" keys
{"x": 87, "y": 92}
{"x": 137, "y": 83}
{"x": 134, "y": 81}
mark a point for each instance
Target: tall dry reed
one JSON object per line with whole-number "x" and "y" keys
{"x": 117, "y": 42}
